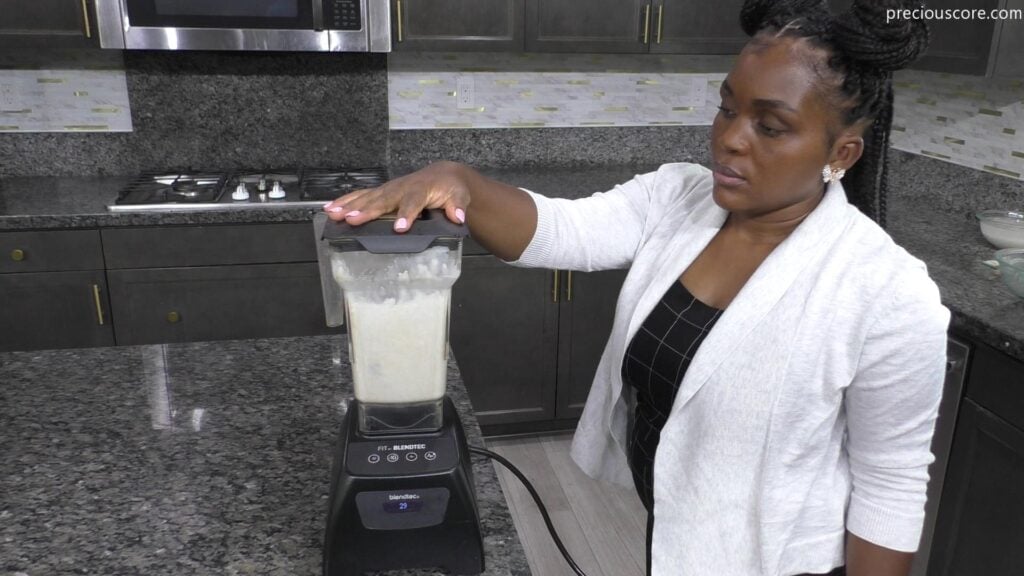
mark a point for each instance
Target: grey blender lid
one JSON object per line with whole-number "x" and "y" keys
{"x": 379, "y": 237}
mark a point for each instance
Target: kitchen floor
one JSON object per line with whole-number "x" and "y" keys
{"x": 602, "y": 525}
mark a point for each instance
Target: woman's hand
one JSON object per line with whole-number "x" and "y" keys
{"x": 439, "y": 185}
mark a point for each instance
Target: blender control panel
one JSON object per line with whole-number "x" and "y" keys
{"x": 402, "y": 457}
{"x": 402, "y": 509}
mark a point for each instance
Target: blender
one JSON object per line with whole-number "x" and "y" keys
{"x": 402, "y": 494}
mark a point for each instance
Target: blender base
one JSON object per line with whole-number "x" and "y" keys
{"x": 402, "y": 501}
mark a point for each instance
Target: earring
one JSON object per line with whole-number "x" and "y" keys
{"x": 830, "y": 174}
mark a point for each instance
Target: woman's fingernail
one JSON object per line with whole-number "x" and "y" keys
{"x": 328, "y": 204}
{"x": 353, "y": 213}
{"x": 461, "y": 215}
{"x": 401, "y": 224}
{"x": 336, "y": 209}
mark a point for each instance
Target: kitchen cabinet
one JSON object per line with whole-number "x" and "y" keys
{"x": 505, "y": 339}
{"x": 634, "y": 26}
{"x": 528, "y": 340}
{"x": 473, "y": 25}
{"x": 618, "y": 26}
{"x": 54, "y": 290}
{"x": 979, "y": 528}
{"x": 692, "y": 27}
{"x": 959, "y": 46}
{"x": 1010, "y": 46}
{"x": 67, "y": 23}
{"x": 191, "y": 283}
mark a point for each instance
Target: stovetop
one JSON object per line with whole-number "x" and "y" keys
{"x": 219, "y": 190}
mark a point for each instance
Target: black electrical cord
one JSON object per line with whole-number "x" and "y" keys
{"x": 536, "y": 498}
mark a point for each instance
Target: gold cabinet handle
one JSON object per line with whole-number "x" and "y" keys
{"x": 661, "y": 12}
{"x": 647, "y": 23}
{"x": 554, "y": 291}
{"x": 568, "y": 287}
{"x": 17, "y": 254}
{"x": 85, "y": 19}
{"x": 398, "y": 10}
{"x": 99, "y": 306}
{"x": 173, "y": 317}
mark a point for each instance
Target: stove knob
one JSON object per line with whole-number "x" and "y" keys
{"x": 240, "y": 193}
{"x": 262, "y": 184}
{"x": 277, "y": 191}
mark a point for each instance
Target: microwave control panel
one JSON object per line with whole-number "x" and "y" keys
{"x": 343, "y": 15}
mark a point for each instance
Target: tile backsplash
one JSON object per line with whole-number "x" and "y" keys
{"x": 967, "y": 120}
{"x": 66, "y": 91}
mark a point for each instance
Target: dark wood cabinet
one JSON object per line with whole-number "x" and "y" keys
{"x": 214, "y": 282}
{"x": 159, "y": 305}
{"x": 617, "y": 26}
{"x": 54, "y": 290}
{"x": 504, "y": 338}
{"x": 634, "y": 26}
{"x": 44, "y": 310}
{"x": 694, "y": 27}
{"x": 476, "y": 25}
{"x": 585, "y": 321}
{"x": 66, "y": 23}
{"x": 980, "y": 526}
{"x": 959, "y": 46}
{"x": 528, "y": 341}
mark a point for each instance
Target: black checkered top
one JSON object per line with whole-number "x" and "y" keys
{"x": 655, "y": 362}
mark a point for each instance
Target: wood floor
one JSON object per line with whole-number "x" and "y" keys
{"x": 602, "y": 525}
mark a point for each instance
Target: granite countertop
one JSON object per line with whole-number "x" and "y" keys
{"x": 949, "y": 242}
{"x": 201, "y": 458}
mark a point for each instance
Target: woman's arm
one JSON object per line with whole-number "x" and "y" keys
{"x": 866, "y": 559}
{"x": 891, "y": 406}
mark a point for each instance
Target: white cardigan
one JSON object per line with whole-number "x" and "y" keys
{"x": 809, "y": 407}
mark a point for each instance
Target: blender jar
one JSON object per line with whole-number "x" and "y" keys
{"x": 396, "y": 294}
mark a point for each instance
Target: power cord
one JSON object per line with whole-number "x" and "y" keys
{"x": 536, "y": 498}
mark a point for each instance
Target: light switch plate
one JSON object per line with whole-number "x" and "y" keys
{"x": 464, "y": 93}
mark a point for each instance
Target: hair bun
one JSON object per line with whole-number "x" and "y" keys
{"x": 756, "y": 15}
{"x": 864, "y": 36}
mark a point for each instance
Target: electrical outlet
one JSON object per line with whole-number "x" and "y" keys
{"x": 464, "y": 97}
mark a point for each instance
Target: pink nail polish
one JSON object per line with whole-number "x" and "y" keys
{"x": 336, "y": 209}
{"x": 353, "y": 213}
{"x": 461, "y": 215}
{"x": 328, "y": 204}
{"x": 401, "y": 224}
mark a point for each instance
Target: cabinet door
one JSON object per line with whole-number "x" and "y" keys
{"x": 697, "y": 27}
{"x": 616, "y": 26}
{"x": 54, "y": 310}
{"x": 585, "y": 321}
{"x": 503, "y": 332}
{"x": 980, "y": 528}
{"x": 48, "y": 23}
{"x": 159, "y": 305}
{"x": 959, "y": 46}
{"x": 472, "y": 25}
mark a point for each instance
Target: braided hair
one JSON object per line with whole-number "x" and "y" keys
{"x": 863, "y": 51}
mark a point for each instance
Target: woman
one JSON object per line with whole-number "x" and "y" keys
{"x": 780, "y": 355}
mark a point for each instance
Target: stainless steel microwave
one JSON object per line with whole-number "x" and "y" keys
{"x": 292, "y": 25}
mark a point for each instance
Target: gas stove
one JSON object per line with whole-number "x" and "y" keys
{"x": 242, "y": 189}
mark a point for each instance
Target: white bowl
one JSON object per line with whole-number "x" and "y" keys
{"x": 1003, "y": 228}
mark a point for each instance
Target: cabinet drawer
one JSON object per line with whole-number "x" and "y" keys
{"x": 997, "y": 383}
{"x": 169, "y": 246}
{"x": 50, "y": 250}
{"x": 54, "y": 310}
{"x": 216, "y": 303}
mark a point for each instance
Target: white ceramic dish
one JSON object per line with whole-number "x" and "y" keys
{"x": 1003, "y": 228}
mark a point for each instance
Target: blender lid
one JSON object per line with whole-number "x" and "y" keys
{"x": 379, "y": 237}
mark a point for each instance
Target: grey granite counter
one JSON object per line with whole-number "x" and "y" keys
{"x": 945, "y": 237}
{"x": 203, "y": 458}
